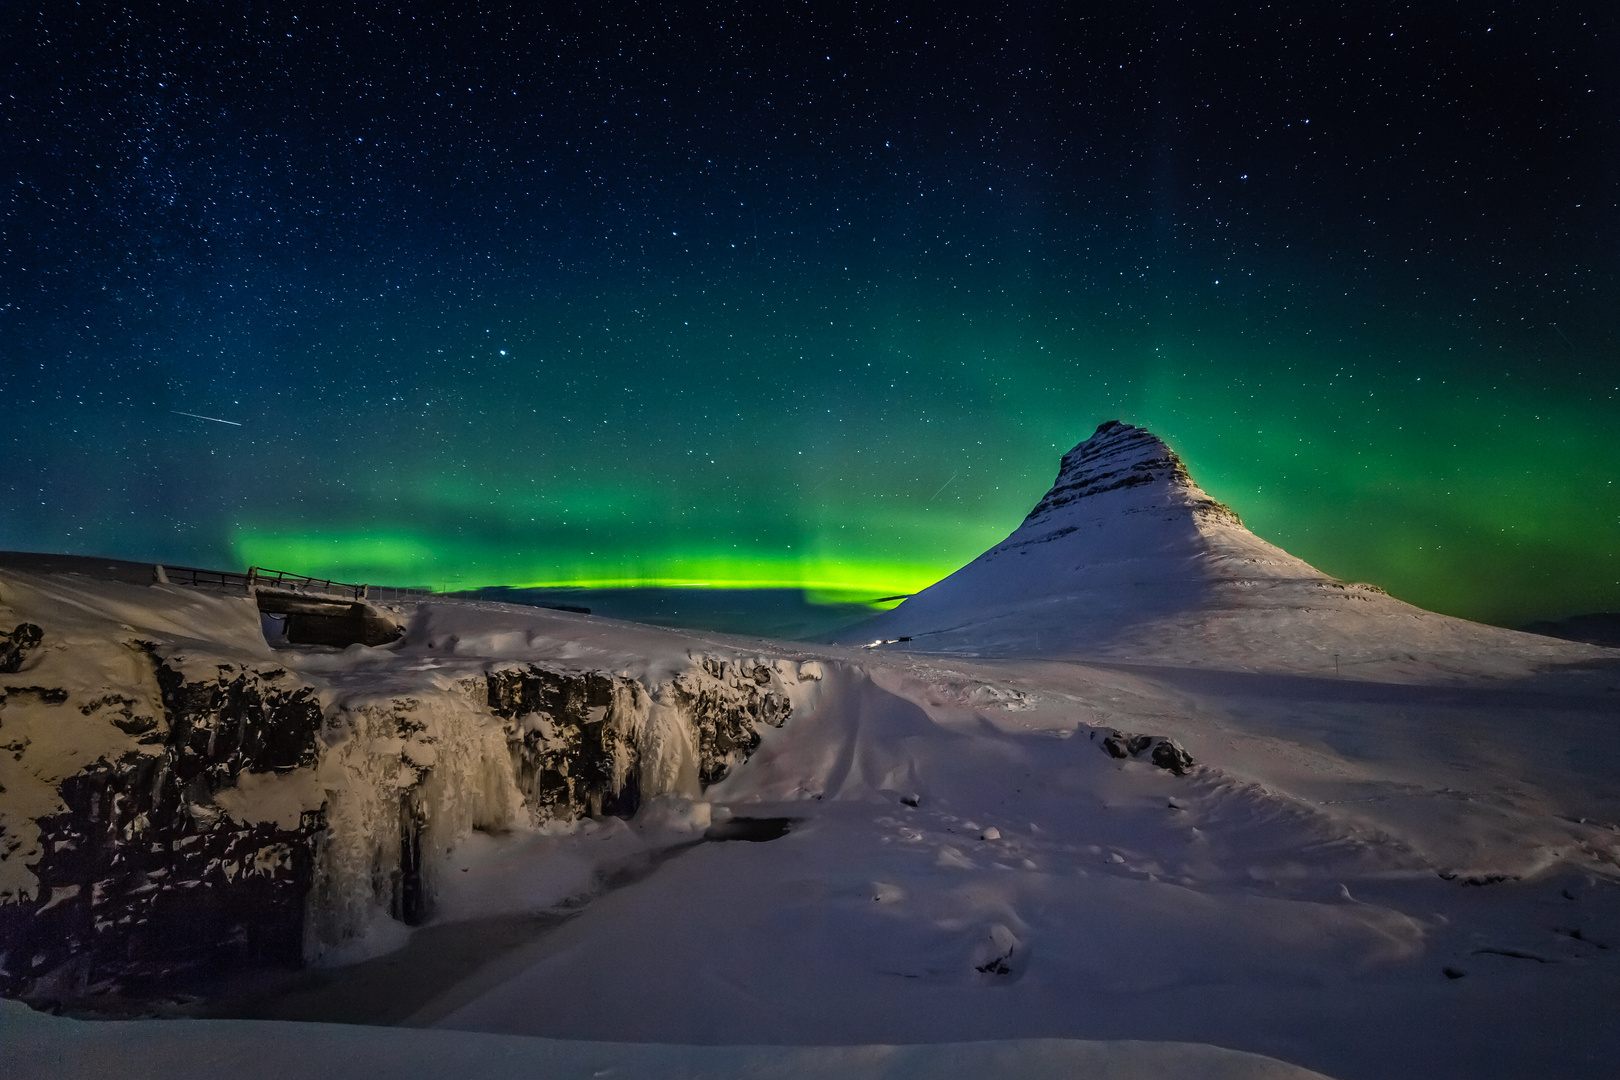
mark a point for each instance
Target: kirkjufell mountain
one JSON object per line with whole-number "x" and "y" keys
{"x": 1126, "y": 556}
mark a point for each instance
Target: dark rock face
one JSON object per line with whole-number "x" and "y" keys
{"x": 137, "y": 893}
{"x": 142, "y": 882}
{"x": 236, "y": 722}
{"x": 49, "y": 695}
{"x": 571, "y": 744}
{"x": 997, "y": 966}
{"x": 15, "y": 646}
{"x": 1116, "y": 456}
{"x": 728, "y": 711}
{"x": 1167, "y": 754}
{"x": 121, "y": 711}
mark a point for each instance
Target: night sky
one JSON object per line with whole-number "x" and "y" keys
{"x": 808, "y": 295}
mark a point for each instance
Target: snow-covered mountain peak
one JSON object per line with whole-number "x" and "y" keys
{"x": 1123, "y": 458}
{"x": 1127, "y": 556}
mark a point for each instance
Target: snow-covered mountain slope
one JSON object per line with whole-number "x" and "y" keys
{"x": 1127, "y": 557}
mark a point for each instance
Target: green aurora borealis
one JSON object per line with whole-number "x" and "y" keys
{"x": 649, "y": 297}
{"x": 1407, "y": 463}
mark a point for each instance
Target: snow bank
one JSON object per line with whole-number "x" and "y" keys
{"x": 38, "y": 1047}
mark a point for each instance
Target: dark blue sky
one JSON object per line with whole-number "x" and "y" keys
{"x": 808, "y": 294}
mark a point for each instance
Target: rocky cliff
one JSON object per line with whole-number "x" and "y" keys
{"x": 178, "y": 800}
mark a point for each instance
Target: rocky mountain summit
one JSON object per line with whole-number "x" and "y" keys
{"x": 1119, "y": 457}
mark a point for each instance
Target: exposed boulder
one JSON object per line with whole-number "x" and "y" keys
{"x": 1167, "y": 754}
{"x": 15, "y": 646}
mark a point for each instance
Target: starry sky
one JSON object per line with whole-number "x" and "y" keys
{"x": 805, "y": 295}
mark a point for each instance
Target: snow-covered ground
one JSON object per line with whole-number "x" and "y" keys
{"x": 1394, "y": 852}
{"x": 40, "y": 1047}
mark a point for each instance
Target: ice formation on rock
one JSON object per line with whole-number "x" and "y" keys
{"x": 178, "y": 798}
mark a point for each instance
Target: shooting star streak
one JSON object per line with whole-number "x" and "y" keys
{"x": 942, "y": 487}
{"x": 196, "y": 416}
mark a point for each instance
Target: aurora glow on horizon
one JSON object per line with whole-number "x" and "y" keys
{"x": 746, "y": 299}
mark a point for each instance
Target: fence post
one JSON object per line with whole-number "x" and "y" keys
{"x": 252, "y": 578}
